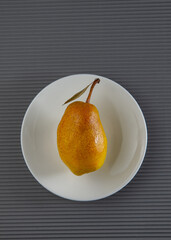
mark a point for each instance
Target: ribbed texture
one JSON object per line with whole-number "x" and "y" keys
{"x": 127, "y": 41}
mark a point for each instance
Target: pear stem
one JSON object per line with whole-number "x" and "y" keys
{"x": 91, "y": 89}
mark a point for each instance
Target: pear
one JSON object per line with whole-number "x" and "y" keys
{"x": 81, "y": 140}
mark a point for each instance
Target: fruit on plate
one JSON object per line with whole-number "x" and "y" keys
{"x": 81, "y": 140}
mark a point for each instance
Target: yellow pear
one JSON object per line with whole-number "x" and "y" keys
{"x": 81, "y": 140}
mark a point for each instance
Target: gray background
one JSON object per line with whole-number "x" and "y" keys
{"x": 127, "y": 41}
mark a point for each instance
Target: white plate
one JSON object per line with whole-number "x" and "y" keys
{"x": 125, "y": 129}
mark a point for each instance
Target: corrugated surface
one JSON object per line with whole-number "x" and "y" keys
{"x": 128, "y": 41}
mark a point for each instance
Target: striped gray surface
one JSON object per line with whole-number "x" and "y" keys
{"x": 127, "y": 41}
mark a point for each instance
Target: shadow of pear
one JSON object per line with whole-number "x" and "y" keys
{"x": 110, "y": 121}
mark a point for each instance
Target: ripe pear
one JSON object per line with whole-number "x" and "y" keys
{"x": 81, "y": 140}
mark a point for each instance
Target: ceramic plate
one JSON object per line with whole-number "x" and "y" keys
{"x": 123, "y": 123}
